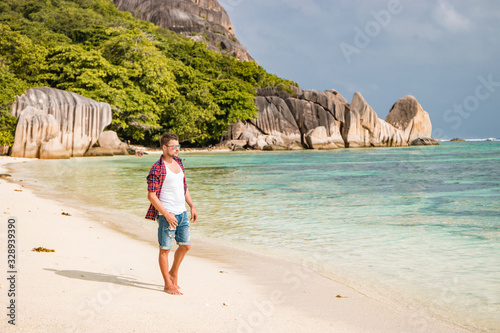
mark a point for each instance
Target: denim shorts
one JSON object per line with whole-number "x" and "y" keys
{"x": 181, "y": 233}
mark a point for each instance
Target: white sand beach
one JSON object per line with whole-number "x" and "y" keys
{"x": 101, "y": 280}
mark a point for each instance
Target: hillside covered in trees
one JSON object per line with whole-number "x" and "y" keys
{"x": 154, "y": 79}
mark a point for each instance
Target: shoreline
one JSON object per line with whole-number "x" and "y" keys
{"x": 99, "y": 283}
{"x": 157, "y": 151}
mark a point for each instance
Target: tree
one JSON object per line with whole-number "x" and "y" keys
{"x": 24, "y": 58}
{"x": 11, "y": 86}
{"x": 154, "y": 79}
{"x": 236, "y": 102}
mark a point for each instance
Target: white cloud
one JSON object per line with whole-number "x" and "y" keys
{"x": 450, "y": 19}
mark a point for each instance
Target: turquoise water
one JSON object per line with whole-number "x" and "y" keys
{"x": 419, "y": 225}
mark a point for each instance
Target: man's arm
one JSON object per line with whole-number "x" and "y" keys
{"x": 189, "y": 201}
{"x": 172, "y": 221}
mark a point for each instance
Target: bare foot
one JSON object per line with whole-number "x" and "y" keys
{"x": 172, "y": 290}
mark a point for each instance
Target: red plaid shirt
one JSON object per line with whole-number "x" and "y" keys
{"x": 155, "y": 179}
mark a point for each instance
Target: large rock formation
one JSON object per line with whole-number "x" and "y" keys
{"x": 110, "y": 140}
{"x": 4, "y": 150}
{"x": 109, "y": 145}
{"x": 276, "y": 122}
{"x": 365, "y": 129}
{"x": 201, "y": 20}
{"x": 35, "y": 129}
{"x": 305, "y": 120}
{"x": 55, "y": 123}
{"x": 324, "y": 120}
{"x": 318, "y": 126}
{"x": 407, "y": 115}
{"x": 275, "y": 126}
{"x": 330, "y": 100}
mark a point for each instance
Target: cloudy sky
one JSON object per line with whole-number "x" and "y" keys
{"x": 443, "y": 52}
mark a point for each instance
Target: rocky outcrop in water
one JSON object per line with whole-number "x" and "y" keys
{"x": 308, "y": 119}
{"x": 408, "y": 116}
{"x": 424, "y": 142}
{"x": 319, "y": 128}
{"x": 325, "y": 120}
{"x": 54, "y": 123}
{"x": 365, "y": 129}
{"x": 201, "y": 20}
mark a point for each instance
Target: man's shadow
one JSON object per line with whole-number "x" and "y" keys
{"x": 107, "y": 278}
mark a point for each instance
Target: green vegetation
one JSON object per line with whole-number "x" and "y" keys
{"x": 154, "y": 80}
{"x": 285, "y": 88}
{"x": 11, "y": 86}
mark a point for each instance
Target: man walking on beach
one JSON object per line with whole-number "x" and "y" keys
{"x": 168, "y": 194}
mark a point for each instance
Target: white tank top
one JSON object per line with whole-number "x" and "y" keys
{"x": 172, "y": 192}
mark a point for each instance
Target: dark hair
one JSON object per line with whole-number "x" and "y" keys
{"x": 166, "y": 138}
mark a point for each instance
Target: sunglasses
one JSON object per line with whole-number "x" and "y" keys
{"x": 175, "y": 146}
